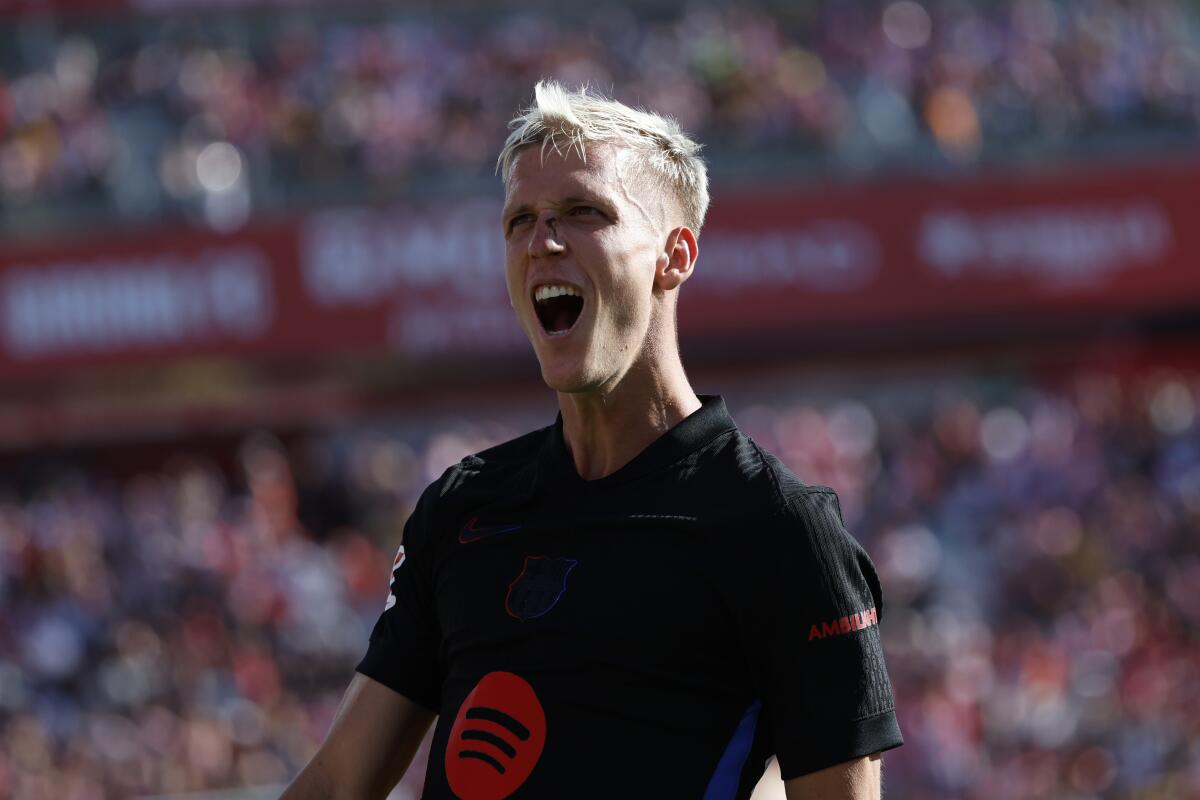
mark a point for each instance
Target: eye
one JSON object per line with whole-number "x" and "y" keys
{"x": 584, "y": 211}
{"x": 519, "y": 219}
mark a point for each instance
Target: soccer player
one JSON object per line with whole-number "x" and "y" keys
{"x": 636, "y": 601}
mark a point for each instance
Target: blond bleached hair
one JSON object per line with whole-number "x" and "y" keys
{"x": 566, "y": 121}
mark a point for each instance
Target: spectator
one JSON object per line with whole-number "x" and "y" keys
{"x": 211, "y": 118}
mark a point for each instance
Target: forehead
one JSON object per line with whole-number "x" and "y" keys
{"x": 536, "y": 172}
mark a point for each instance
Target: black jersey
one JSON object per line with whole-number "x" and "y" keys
{"x": 657, "y": 633}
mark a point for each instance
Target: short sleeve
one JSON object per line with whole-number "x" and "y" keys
{"x": 403, "y": 653}
{"x": 815, "y": 646}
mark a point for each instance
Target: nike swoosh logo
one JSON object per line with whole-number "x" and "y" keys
{"x": 471, "y": 533}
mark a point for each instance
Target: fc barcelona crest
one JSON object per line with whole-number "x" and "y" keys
{"x": 536, "y": 590}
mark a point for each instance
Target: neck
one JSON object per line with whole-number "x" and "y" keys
{"x": 606, "y": 429}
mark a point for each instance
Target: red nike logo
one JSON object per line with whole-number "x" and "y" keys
{"x": 472, "y": 533}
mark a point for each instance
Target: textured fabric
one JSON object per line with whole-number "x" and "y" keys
{"x": 605, "y": 638}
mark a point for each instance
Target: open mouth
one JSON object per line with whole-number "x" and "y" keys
{"x": 558, "y": 308}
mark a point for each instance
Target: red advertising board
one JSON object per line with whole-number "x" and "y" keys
{"x": 424, "y": 282}
{"x": 1120, "y": 241}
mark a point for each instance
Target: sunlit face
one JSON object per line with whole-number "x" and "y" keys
{"x": 582, "y": 245}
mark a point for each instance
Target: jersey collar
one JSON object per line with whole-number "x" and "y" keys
{"x": 701, "y": 427}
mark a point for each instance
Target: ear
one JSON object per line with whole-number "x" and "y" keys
{"x": 675, "y": 263}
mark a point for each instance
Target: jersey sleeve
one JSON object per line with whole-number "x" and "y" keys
{"x": 403, "y": 653}
{"x": 816, "y": 648}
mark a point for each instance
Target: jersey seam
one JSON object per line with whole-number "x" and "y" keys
{"x": 792, "y": 503}
{"x": 723, "y": 434}
{"x": 786, "y": 501}
{"x": 889, "y": 710}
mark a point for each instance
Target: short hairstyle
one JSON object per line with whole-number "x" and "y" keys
{"x": 562, "y": 119}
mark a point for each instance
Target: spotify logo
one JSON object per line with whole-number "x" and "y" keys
{"x": 497, "y": 738}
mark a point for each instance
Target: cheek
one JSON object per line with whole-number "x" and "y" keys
{"x": 513, "y": 279}
{"x": 632, "y": 308}
{"x": 636, "y": 279}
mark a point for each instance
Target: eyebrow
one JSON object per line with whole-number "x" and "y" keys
{"x": 568, "y": 201}
{"x": 507, "y": 213}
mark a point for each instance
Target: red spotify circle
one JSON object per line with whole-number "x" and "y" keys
{"x": 497, "y": 738}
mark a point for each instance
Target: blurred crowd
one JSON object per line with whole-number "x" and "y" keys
{"x": 1038, "y": 549}
{"x": 192, "y": 627}
{"x": 214, "y": 116}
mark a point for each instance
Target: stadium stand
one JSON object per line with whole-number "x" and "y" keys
{"x": 213, "y": 116}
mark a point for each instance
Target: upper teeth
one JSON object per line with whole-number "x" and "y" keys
{"x": 554, "y": 290}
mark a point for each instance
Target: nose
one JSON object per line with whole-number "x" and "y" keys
{"x": 546, "y": 239}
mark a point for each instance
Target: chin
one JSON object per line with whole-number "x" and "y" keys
{"x": 568, "y": 378}
{"x": 563, "y": 370}
{"x": 565, "y": 382}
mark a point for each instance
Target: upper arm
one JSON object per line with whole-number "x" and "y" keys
{"x": 369, "y": 746}
{"x": 852, "y": 780}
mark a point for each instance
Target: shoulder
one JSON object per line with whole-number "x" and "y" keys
{"x": 769, "y": 486}
{"x": 798, "y": 550}
{"x": 520, "y": 451}
{"x": 787, "y": 514}
{"x": 498, "y": 470}
{"x": 515, "y": 455}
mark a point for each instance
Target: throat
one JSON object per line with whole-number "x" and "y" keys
{"x": 602, "y": 435}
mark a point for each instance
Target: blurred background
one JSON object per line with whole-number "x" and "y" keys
{"x": 251, "y": 302}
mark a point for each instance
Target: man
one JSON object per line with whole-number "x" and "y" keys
{"x": 636, "y": 601}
